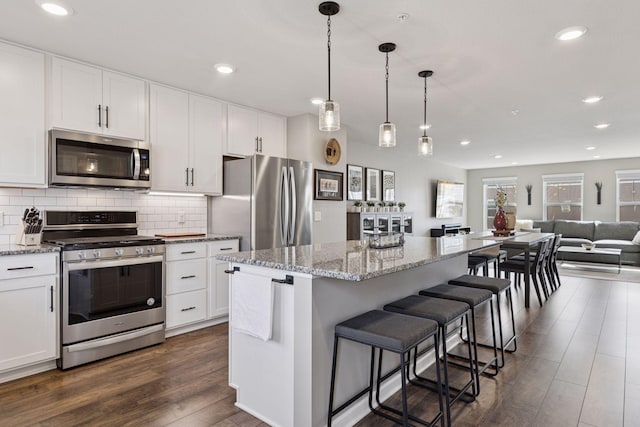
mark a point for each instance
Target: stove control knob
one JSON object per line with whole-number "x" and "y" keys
{"x": 151, "y": 249}
{"x": 139, "y": 251}
{"x": 96, "y": 254}
{"x": 82, "y": 255}
{"x": 119, "y": 251}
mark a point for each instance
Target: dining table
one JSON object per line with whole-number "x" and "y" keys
{"x": 524, "y": 241}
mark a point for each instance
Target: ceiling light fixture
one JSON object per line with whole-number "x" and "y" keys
{"x": 592, "y": 99}
{"x": 514, "y": 163}
{"x": 387, "y": 134}
{"x": 425, "y": 127}
{"x": 596, "y": 156}
{"x": 591, "y": 147}
{"x": 465, "y": 142}
{"x": 54, "y": 8}
{"x": 571, "y": 33}
{"x": 329, "y": 115}
{"x": 497, "y": 156}
{"x": 224, "y": 68}
{"x": 425, "y": 143}
{"x": 317, "y": 101}
{"x": 602, "y": 125}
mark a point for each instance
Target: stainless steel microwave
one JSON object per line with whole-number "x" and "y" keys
{"x": 78, "y": 159}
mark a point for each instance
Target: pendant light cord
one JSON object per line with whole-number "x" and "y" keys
{"x": 386, "y": 77}
{"x": 424, "y": 133}
{"x": 329, "y": 54}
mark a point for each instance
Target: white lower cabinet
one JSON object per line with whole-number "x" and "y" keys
{"x": 28, "y": 309}
{"x": 197, "y": 286}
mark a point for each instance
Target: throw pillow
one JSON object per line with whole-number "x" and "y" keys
{"x": 636, "y": 239}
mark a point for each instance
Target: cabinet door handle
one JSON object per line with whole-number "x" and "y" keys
{"x": 187, "y": 252}
{"x": 188, "y": 308}
{"x": 99, "y": 115}
{"x": 257, "y": 146}
{"x": 226, "y": 249}
{"x": 192, "y": 276}
{"x": 106, "y": 123}
{"x": 51, "y": 306}
{"x": 260, "y": 144}
{"x": 20, "y": 268}
{"x": 192, "y": 177}
{"x": 186, "y": 174}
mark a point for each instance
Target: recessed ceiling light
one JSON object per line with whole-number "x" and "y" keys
{"x": 514, "y": 163}
{"x": 317, "y": 101}
{"x": 497, "y": 156}
{"x": 224, "y": 68}
{"x": 592, "y": 99}
{"x": 465, "y": 142}
{"x": 425, "y": 127}
{"x": 596, "y": 156}
{"x": 591, "y": 147}
{"x": 602, "y": 125}
{"x": 54, "y": 8}
{"x": 515, "y": 112}
{"x": 571, "y": 33}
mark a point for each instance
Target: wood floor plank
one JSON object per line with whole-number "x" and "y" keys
{"x": 604, "y": 401}
{"x": 578, "y": 359}
{"x": 632, "y": 405}
{"x": 562, "y": 405}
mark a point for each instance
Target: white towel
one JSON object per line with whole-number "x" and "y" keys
{"x": 252, "y": 305}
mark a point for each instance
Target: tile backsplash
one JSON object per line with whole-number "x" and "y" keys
{"x": 156, "y": 214}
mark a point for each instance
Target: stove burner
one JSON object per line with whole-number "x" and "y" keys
{"x": 104, "y": 242}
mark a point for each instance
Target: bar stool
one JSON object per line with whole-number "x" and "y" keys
{"x": 445, "y": 312}
{"x": 497, "y": 286}
{"x": 474, "y": 263}
{"x": 392, "y": 332}
{"x": 474, "y": 298}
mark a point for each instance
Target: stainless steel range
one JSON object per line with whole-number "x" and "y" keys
{"x": 112, "y": 284}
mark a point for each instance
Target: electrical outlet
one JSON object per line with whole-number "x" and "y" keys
{"x": 181, "y": 219}
{"x": 317, "y": 216}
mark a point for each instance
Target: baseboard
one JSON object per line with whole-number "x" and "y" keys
{"x": 26, "y": 371}
{"x": 195, "y": 326}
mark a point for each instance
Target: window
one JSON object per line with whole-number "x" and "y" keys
{"x": 562, "y": 196}
{"x": 490, "y": 186}
{"x": 628, "y": 195}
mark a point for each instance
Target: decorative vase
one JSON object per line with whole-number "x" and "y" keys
{"x": 599, "y": 197}
{"x": 529, "y": 199}
{"x": 500, "y": 220}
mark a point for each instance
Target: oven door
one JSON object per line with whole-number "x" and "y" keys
{"x": 111, "y": 296}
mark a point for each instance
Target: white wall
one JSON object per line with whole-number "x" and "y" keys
{"x": 306, "y": 142}
{"x": 156, "y": 214}
{"x": 416, "y": 180}
{"x": 597, "y": 170}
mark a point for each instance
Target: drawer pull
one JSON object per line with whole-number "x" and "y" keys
{"x": 188, "y": 308}
{"x": 187, "y": 252}
{"x": 226, "y": 249}
{"x": 51, "y": 306}
{"x": 20, "y": 268}
{"x": 193, "y": 276}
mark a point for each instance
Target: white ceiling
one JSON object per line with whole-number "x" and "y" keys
{"x": 489, "y": 57}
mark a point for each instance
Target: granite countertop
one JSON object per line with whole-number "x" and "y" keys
{"x": 204, "y": 238}
{"x": 13, "y": 249}
{"x": 350, "y": 260}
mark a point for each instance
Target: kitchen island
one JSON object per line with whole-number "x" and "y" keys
{"x": 285, "y": 381}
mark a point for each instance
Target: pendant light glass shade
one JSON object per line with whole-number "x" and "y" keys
{"x": 387, "y": 135}
{"x": 329, "y": 112}
{"x": 329, "y": 116}
{"x": 425, "y": 146}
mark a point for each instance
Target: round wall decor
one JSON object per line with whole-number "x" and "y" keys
{"x": 332, "y": 151}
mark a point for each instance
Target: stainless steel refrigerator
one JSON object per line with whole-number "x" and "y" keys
{"x": 266, "y": 200}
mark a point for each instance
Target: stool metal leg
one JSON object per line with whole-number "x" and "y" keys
{"x": 333, "y": 379}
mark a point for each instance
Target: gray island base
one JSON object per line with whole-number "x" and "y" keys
{"x": 285, "y": 381}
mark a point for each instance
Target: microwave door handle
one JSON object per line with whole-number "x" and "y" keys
{"x": 135, "y": 156}
{"x": 294, "y": 206}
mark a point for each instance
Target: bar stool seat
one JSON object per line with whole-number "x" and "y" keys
{"x": 445, "y": 312}
{"x": 393, "y": 332}
{"x": 497, "y": 286}
{"x": 474, "y": 298}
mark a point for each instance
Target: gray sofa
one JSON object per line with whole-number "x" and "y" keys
{"x": 604, "y": 234}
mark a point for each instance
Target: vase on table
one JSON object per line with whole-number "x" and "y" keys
{"x": 500, "y": 220}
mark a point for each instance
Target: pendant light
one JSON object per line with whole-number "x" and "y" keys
{"x": 329, "y": 115}
{"x": 425, "y": 143}
{"x": 387, "y": 134}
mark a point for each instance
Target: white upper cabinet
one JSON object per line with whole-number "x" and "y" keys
{"x": 251, "y": 131}
{"x": 88, "y": 99}
{"x": 22, "y": 117}
{"x": 187, "y": 135}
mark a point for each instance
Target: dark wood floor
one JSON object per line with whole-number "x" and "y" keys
{"x": 577, "y": 364}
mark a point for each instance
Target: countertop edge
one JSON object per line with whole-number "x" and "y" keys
{"x": 196, "y": 239}
{"x": 14, "y": 249}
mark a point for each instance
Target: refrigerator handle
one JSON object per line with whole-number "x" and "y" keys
{"x": 284, "y": 206}
{"x": 294, "y": 206}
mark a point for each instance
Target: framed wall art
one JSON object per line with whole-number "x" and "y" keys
{"x": 327, "y": 185}
{"x": 388, "y": 186}
{"x": 355, "y": 182}
{"x": 373, "y": 184}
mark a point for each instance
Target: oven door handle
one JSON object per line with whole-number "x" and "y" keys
{"x": 85, "y": 265}
{"x": 114, "y": 339}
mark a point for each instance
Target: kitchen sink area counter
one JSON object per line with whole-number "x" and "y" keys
{"x": 354, "y": 261}
{"x": 13, "y": 249}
